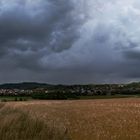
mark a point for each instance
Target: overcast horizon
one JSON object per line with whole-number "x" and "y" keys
{"x": 69, "y": 41}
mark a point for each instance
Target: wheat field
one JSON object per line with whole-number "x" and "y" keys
{"x": 105, "y": 119}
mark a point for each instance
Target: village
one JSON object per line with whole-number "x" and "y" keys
{"x": 80, "y": 90}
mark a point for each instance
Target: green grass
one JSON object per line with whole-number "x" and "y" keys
{"x": 28, "y": 98}
{"x": 106, "y": 96}
{"x": 14, "y": 98}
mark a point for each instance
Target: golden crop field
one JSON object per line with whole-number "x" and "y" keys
{"x": 103, "y": 119}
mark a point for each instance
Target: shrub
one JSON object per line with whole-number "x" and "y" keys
{"x": 57, "y": 95}
{"x": 20, "y": 99}
{"x": 4, "y": 100}
{"x": 16, "y": 99}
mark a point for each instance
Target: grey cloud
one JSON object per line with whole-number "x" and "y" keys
{"x": 53, "y": 21}
{"x": 25, "y": 37}
{"x": 74, "y": 41}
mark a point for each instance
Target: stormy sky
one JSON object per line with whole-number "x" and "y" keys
{"x": 70, "y": 41}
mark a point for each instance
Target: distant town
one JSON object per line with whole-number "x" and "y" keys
{"x": 29, "y": 89}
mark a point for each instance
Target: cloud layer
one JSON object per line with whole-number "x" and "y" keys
{"x": 74, "y": 41}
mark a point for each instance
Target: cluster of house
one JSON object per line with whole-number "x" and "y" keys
{"x": 99, "y": 90}
{"x": 106, "y": 89}
{"x": 15, "y": 92}
{"x": 80, "y": 90}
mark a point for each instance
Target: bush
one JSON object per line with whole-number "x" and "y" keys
{"x": 4, "y": 100}
{"x": 57, "y": 95}
{"x": 16, "y": 99}
{"x": 20, "y": 99}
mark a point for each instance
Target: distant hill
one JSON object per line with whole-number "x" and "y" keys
{"x": 25, "y": 85}
{"x": 133, "y": 85}
{"x": 34, "y": 85}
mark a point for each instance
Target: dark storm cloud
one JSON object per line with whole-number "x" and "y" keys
{"x": 30, "y": 30}
{"x": 73, "y": 41}
{"x": 20, "y": 25}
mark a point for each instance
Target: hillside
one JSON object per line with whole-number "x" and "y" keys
{"x": 24, "y": 85}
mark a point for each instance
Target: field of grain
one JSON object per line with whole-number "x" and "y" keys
{"x": 104, "y": 119}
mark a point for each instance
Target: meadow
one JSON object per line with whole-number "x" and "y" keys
{"x": 99, "y": 119}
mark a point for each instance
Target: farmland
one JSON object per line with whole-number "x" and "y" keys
{"x": 99, "y": 119}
